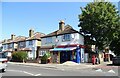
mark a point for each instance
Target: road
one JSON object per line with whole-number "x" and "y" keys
{"x": 22, "y": 70}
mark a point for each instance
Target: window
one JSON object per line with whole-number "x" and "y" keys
{"x": 5, "y": 46}
{"x": 21, "y": 44}
{"x": 31, "y": 42}
{"x": 41, "y": 53}
{"x": 49, "y": 40}
{"x": 10, "y": 45}
{"x": 66, "y": 37}
{"x": 30, "y": 52}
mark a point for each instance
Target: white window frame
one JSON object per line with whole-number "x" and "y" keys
{"x": 30, "y": 42}
{"x": 22, "y": 43}
{"x": 41, "y": 53}
{"x": 66, "y": 37}
{"x": 10, "y": 45}
{"x": 5, "y": 46}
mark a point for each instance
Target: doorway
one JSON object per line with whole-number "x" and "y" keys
{"x": 65, "y": 56}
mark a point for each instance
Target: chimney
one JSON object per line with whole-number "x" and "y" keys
{"x": 61, "y": 25}
{"x": 31, "y": 32}
{"x": 12, "y": 36}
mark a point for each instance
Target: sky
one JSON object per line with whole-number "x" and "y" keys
{"x": 19, "y": 17}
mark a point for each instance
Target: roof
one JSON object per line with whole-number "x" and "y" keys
{"x": 68, "y": 29}
{"x": 17, "y": 39}
{"x": 36, "y": 35}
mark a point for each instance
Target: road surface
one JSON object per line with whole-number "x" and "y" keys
{"x": 23, "y": 70}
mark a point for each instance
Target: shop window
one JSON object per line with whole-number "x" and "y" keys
{"x": 73, "y": 55}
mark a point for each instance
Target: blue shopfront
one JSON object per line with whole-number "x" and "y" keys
{"x": 61, "y": 55}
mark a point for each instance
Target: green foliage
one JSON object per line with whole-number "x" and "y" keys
{"x": 115, "y": 46}
{"x": 101, "y": 21}
{"x": 45, "y": 57}
{"x": 48, "y": 54}
{"x": 19, "y": 56}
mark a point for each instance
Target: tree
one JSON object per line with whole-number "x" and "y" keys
{"x": 115, "y": 44}
{"x": 100, "y": 21}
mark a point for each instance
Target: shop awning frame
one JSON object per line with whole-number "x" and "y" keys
{"x": 63, "y": 49}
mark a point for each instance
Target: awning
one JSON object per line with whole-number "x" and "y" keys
{"x": 63, "y": 49}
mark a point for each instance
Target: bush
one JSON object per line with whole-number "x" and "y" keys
{"x": 19, "y": 56}
{"x": 45, "y": 58}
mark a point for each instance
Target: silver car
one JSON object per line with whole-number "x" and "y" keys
{"x": 3, "y": 64}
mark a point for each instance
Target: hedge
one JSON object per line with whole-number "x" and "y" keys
{"x": 19, "y": 56}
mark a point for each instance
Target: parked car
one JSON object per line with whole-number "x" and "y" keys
{"x": 116, "y": 60}
{"x": 3, "y": 64}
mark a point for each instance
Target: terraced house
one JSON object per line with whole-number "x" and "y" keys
{"x": 22, "y": 43}
{"x": 64, "y": 44}
{"x": 33, "y": 42}
{"x": 11, "y": 45}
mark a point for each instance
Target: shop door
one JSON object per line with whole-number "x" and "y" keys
{"x": 65, "y": 56}
{"x": 62, "y": 57}
{"x": 68, "y": 58}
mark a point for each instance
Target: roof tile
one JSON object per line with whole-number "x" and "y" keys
{"x": 68, "y": 29}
